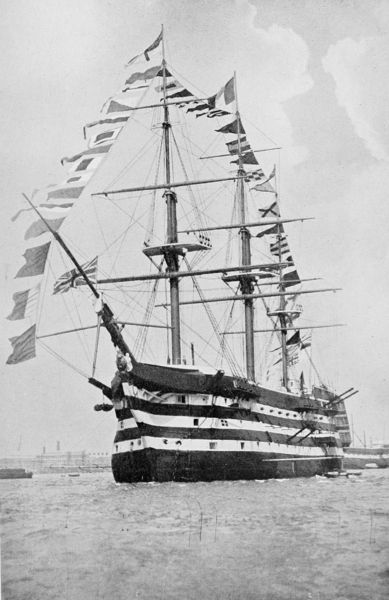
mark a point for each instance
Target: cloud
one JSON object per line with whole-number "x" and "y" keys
{"x": 274, "y": 64}
{"x": 359, "y": 69}
{"x": 271, "y": 63}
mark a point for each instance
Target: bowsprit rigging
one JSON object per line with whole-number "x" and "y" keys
{"x": 218, "y": 417}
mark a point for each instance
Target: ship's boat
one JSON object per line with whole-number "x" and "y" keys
{"x": 170, "y": 221}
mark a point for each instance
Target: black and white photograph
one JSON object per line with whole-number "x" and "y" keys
{"x": 194, "y": 299}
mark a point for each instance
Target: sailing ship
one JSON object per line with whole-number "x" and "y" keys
{"x": 208, "y": 386}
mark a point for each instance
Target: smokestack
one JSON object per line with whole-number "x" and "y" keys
{"x": 58, "y": 446}
{"x": 44, "y": 450}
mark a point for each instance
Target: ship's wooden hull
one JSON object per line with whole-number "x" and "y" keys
{"x": 164, "y": 465}
{"x": 194, "y": 437}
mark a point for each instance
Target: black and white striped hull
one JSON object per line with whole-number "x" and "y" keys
{"x": 174, "y": 437}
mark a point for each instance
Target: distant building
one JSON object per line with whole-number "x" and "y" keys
{"x": 59, "y": 462}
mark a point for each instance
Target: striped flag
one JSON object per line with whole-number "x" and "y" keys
{"x": 234, "y": 147}
{"x": 25, "y": 303}
{"x": 23, "y": 346}
{"x": 281, "y": 245}
{"x": 72, "y": 279}
{"x": 227, "y": 92}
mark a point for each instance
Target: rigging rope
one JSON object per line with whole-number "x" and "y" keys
{"x": 151, "y": 221}
{"x": 143, "y": 330}
{"x": 60, "y": 358}
{"x": 221, "y": 339}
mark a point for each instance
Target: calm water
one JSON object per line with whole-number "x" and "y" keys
{"x": 88, "y": 538}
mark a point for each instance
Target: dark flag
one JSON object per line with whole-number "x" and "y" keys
{"x": 248, "y": 159}
{"x": 291, "y": 278}
{"x": 232, "y": 127}
{"x": 302, "y": 381}
{"x": 181, "y": 94}
{"x": 162, "y": 71}
{"x": 23, "y": 346}
{"x": 294, "y": 339}
{"x": 198, "y": 106}
{"x": 35, "y": 261}
{"x": 270, "y": 231}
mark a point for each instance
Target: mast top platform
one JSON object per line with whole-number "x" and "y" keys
{"x": 176, "y": 248}
{"x": 253, "y": 275}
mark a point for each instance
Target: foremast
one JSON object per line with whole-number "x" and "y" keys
{"x": 246, "y": 281}
{"x": 171, "y": 256}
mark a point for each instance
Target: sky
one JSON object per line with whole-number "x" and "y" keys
{"x": 311, "y": 74}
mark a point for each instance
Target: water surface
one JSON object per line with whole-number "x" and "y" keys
{"x": 88, "y": 538}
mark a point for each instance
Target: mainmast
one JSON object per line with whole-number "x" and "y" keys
{"x": 246, "y": 281}
{"x": 171, "y": 255}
